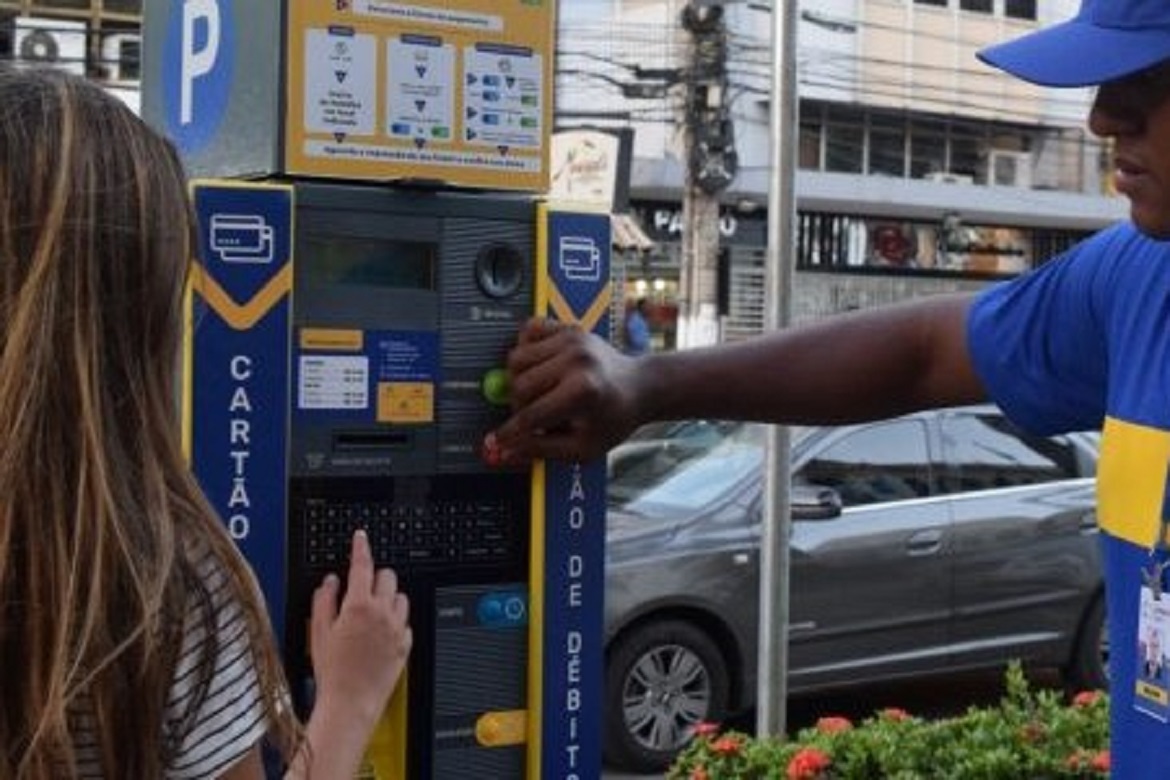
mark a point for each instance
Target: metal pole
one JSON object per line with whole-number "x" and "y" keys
{"x": 772, "y": 693}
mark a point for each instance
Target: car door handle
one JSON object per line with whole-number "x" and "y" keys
{"x": 926, "y": 542}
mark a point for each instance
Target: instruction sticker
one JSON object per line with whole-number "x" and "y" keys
{"x": 458, "y": 91}
{"x": 421, "y": 99}
{"x": 334, "y": 382}
{"x": 340, "y": 82}
{"x": 503, "y": 96}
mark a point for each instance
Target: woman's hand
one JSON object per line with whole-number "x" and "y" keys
{"x": 359, "y": 646}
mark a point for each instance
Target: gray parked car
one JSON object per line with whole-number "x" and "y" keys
{"x": 926, "y": 544}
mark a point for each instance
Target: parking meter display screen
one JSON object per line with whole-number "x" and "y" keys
{"x": 366, "y": 262}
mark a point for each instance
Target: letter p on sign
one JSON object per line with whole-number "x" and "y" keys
{"x": 198, "y": 53}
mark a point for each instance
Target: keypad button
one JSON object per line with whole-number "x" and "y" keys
{"x": 409, "y": 534}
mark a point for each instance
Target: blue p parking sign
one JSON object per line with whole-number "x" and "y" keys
{"x": 198, "y": 67}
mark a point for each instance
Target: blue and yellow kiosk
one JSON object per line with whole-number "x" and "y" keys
{"x": 369, "y": 182}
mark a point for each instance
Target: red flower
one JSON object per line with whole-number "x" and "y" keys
{"x": 726, "y": 746}
{"x": 706, "y": 729}
{"x": 1100, "y": 762}
{"x": 808, "y": 764}
{"x": 700, "y": 773}
{"x": 834, "y": 725}
{"x": 1086, "y": 698}
{"x": 895, "y": 713}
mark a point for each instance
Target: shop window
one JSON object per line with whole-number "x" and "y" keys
{"x": 967, "y": 142}
{"x": 1020, "y": 9}
{"x": 123, "y": 6}
{"x": 843, "y": 148}
{"x": 942, "y": 3}
{"x": 844, "y": 139}
{"x": 79, "y": 4}
{"x": 928, "y": 150}
{"x": 1047, "y": 244}
{"x": 887, "y": 147}
{"x": 977, "y": 6}
{"x": 950, "y": 246}
{"x": 810, "y": 147}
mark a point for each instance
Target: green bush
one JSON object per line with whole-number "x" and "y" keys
{"x": 1032, "y": 733}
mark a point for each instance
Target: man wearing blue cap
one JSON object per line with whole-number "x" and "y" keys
{"x": 1081, "y": 343}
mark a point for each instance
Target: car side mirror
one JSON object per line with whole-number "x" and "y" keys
{"x": 815, "y": 502}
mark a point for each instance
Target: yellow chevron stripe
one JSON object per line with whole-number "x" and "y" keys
{"x": 242, "y": 316}
{"x": 590, "y": 318}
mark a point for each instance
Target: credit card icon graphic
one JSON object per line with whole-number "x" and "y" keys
{"x": 242, "y": 238}
{"x": 580, "y": 258}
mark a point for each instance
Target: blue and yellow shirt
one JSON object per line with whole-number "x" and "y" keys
{"x": 1084, "y": 343}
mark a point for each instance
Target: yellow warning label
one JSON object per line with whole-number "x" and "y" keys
{"x": 331, "y": 339}
{"x": 406, "y": 402}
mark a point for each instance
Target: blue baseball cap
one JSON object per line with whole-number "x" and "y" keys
{"x": 1106, "y": 40}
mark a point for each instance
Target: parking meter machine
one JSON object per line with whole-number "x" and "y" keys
{"x": 373, "y": 233}
{"x": 346, "y": 359}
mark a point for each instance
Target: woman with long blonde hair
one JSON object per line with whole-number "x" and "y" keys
{"x": 133, "y": 641}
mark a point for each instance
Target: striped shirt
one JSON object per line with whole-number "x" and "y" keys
{"x": 230, "y": 720}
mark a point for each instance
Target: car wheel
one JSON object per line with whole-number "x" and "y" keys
{"x": 1088, "y": 669}
{"x": 661, "y": 680}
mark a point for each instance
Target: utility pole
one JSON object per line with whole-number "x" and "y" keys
{"x": 711, "y": 164}
{"x": 775, "y": 560}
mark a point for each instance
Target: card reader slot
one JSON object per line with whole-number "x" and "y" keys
{"x": 373, "y": 440}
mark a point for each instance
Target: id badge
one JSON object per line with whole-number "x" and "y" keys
{"x": 1152, "y": 693}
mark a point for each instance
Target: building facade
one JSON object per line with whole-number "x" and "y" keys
{"x": 95, "y": 38}
{"x": 920, "y": 170}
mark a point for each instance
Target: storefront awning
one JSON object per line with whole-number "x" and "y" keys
{"x": 628, "y": 235}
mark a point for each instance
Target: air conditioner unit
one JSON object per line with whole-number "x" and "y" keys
{"x": 122, "y": 57}
{"x": 1009, "y": 169}
{"x": 58, "y": 43}
{"x": 949, "y": 178}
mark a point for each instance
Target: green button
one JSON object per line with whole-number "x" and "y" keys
{"x": 495, "y": 387}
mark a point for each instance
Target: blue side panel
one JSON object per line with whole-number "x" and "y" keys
{"x": 578, "y": 252}
{"x": 239, "y": 379}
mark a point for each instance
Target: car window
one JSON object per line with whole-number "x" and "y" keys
{"x": 986, "y": 450}
{"x": 682, "y": 472}
{"x": 698, "y": 431}
{"x": 888, "y": 461}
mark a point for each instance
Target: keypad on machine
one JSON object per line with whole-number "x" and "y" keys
{"x": 436, "y": 533}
